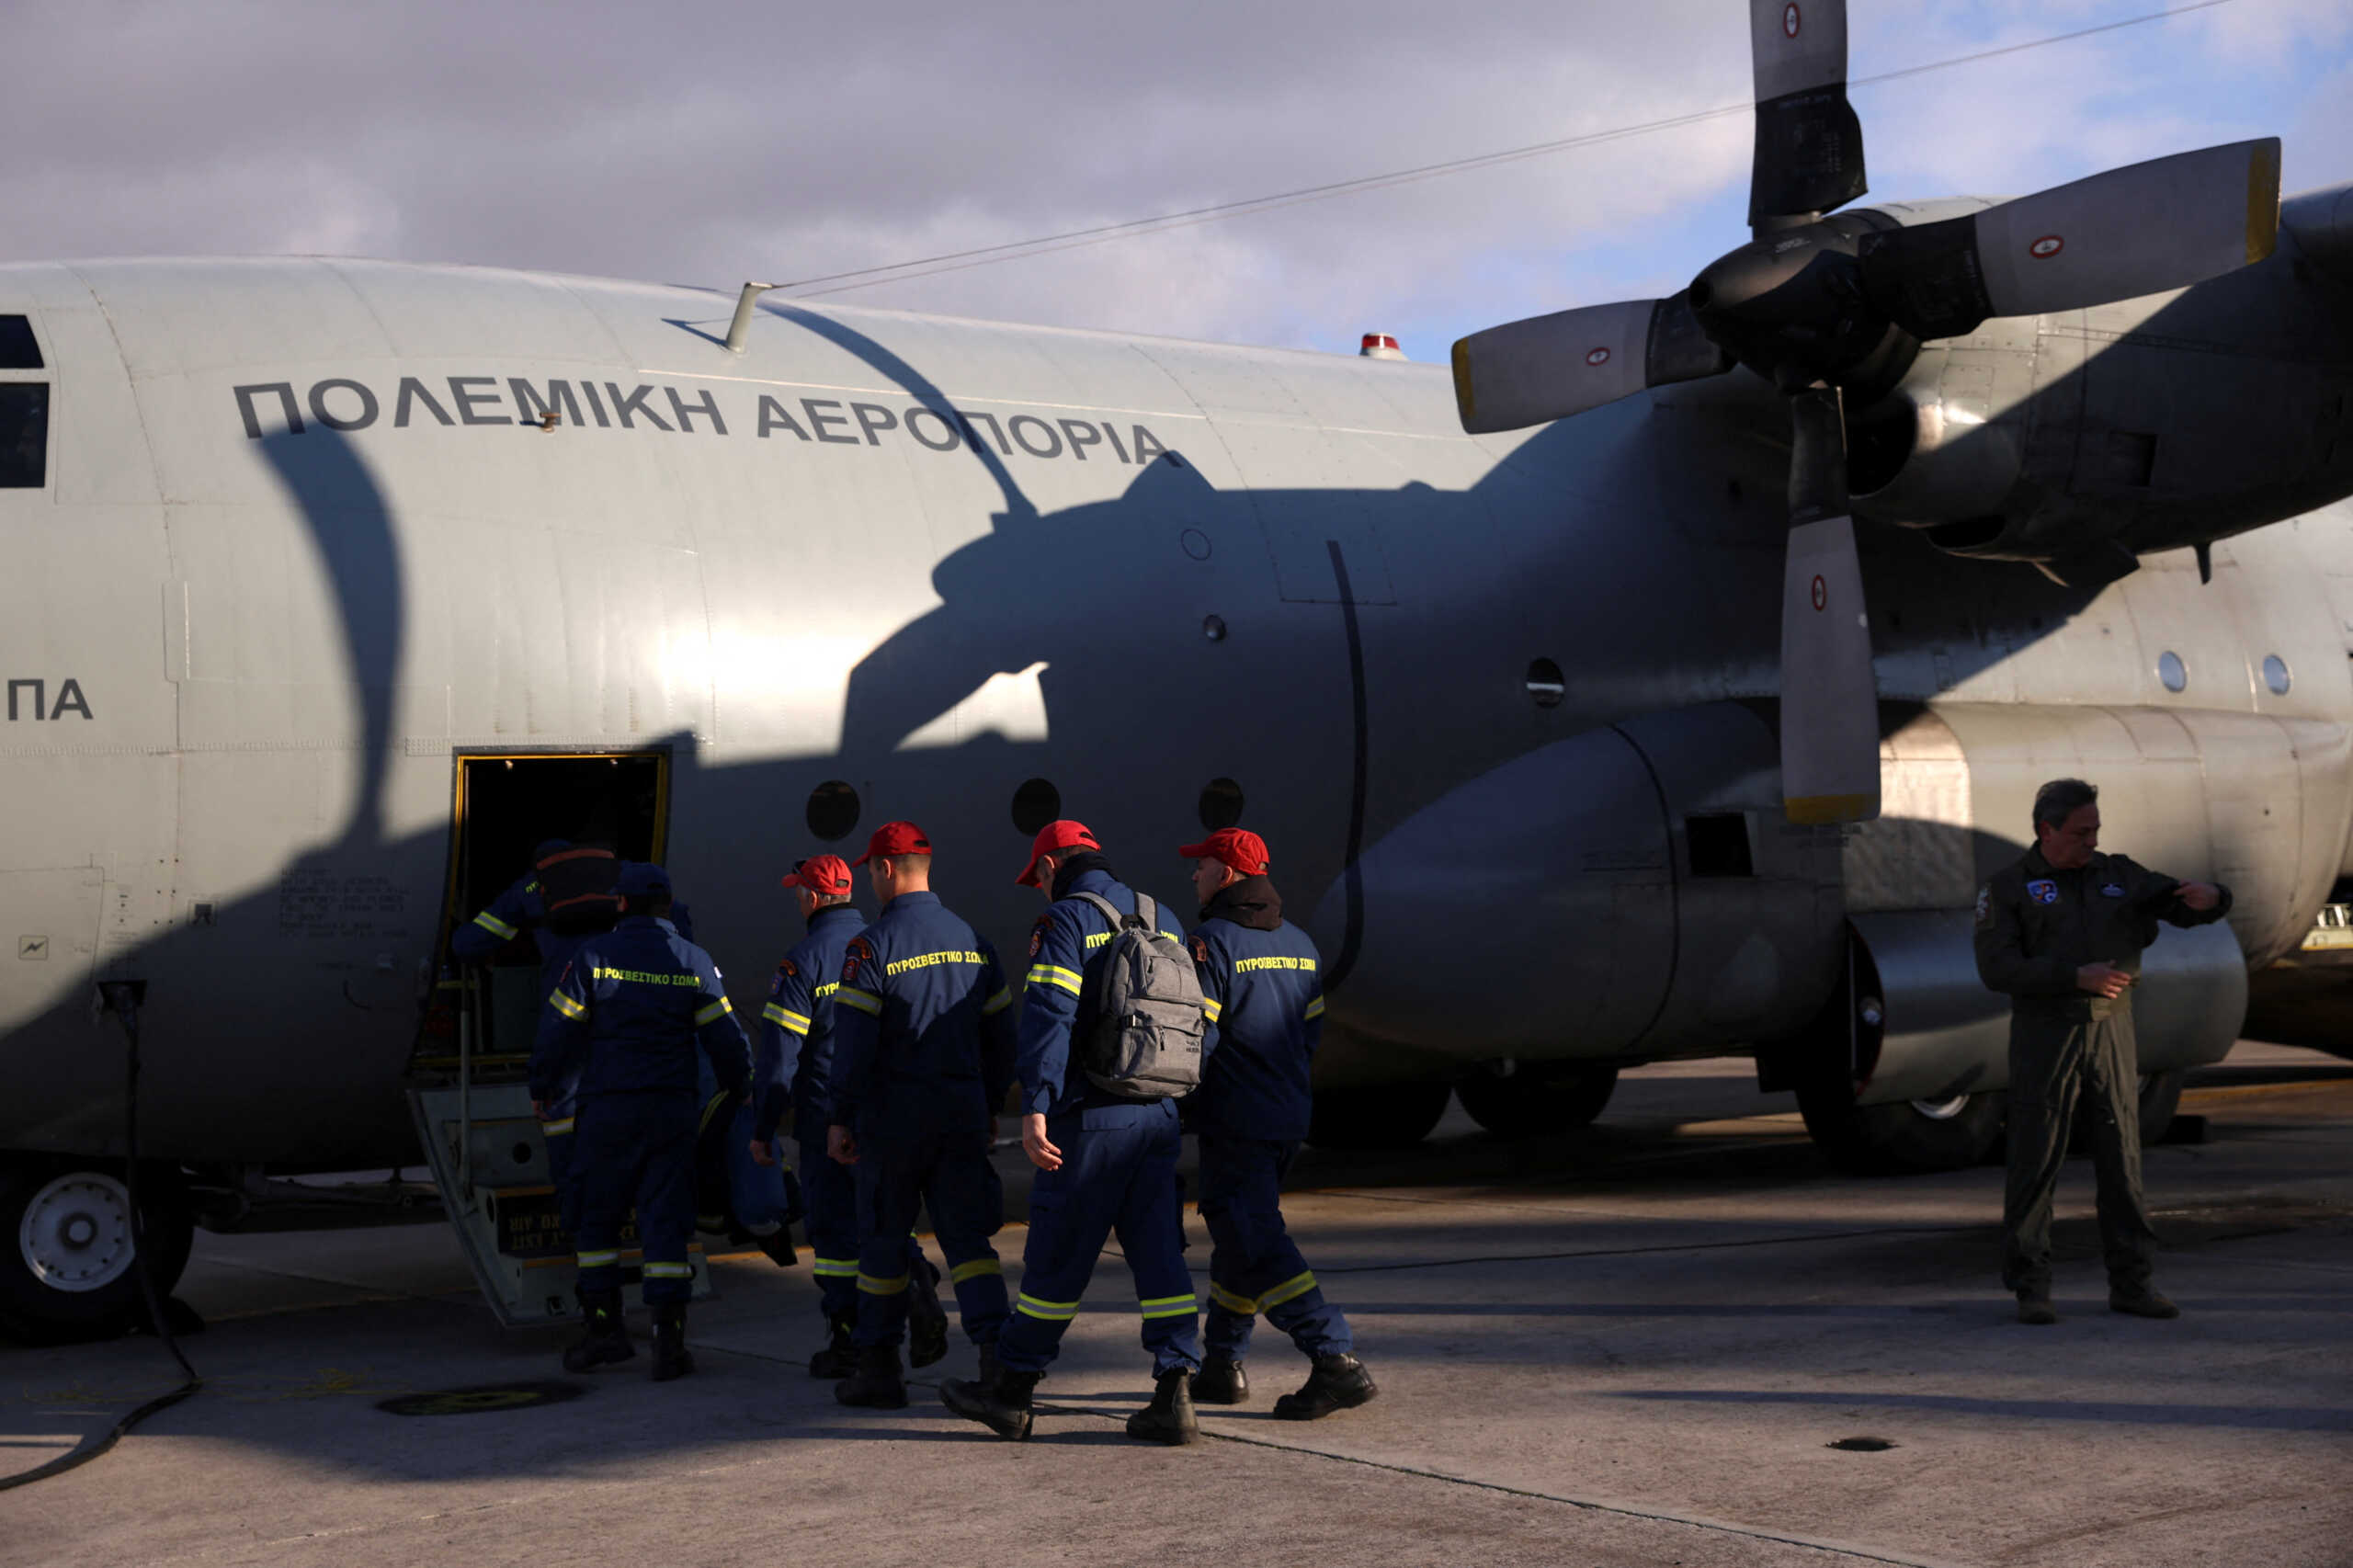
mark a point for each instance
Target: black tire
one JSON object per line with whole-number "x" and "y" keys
{"x": 1537, "y": 1101}
{"x": 1381, "y": 1116}
{"x": 1903, "y": 1139}
{"x": 35, "y": 1312}
{"x": 2160, "y": 1097}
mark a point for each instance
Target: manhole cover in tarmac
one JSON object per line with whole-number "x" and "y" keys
{"x": 482, "y": 1400}
{"x": 1862, "y": 1445}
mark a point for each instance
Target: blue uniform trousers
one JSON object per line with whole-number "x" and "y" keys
{"x": 557, "y": 1133}
{"x": 829, "y": 1195}
{"x": 1119, "y": 1175}
{"x": 1254, "y": 1267}
{"x": 923, "y": 1162}
{"x": 637, "y": 1151}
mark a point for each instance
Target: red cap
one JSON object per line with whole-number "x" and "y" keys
{"x": 1055, "y": 836}
{"x": 895, "y": 838}
{"x": 1237, "y": 847}
{"x": 823, "y": 874}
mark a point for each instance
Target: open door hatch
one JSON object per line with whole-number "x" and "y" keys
{"x": 467, "y": 1076}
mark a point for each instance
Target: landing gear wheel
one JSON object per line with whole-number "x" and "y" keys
{"x": 66, "y": 1260}
{"x": 2160, "y": 1097}
{"x": 1911, "y": 1137}
{"x": 1538, "y": 1100}
{"x": 1381, "y": 1116}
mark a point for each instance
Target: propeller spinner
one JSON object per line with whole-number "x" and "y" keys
{"x": 1817, "y": 305}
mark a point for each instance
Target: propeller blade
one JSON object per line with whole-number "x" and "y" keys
{"x": 1809, "y": 146}
{"x": 1526, "y": 372}
{"x": 1829, "y": 694}
{"x": 2141, "y": 230}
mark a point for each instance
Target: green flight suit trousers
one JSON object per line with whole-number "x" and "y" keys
{"x": 2052, "y": 1060}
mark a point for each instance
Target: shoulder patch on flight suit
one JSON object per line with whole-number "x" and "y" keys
{"x": 2042, "y": 890}
{"x": 858, "y": 949}
{"x": 776, "y": 986}
{"x": 1037, "y": 934}
{"x": 1986, "y": 905}
{"x": 1201, "y": 950}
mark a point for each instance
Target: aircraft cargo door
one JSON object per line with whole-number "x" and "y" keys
{"x": 467, "y": 1090}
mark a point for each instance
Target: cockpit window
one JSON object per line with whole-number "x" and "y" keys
{"x": 17, "y": 350}
{"x": 24, "y": 434}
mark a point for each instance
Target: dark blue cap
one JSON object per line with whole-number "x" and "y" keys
{"x": 640, "y": 880}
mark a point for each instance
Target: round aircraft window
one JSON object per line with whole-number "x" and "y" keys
{"x": 2172, "y": 671}
{"x": 1196, "y": 543}
{"x": 833, "y": 810}
{"x": 1035, "y": 804}
{"x": 1546, "y": 684}
{"x": 1213, "y": 628}
{"x": 2275, "y": 674}
{"x": 1221, "y": 803}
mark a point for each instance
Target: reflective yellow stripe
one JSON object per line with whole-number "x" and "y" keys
{"x": 669, "y": 1271}
{"x": 873, "y": 1286}
{"x": 1315, "y": 1009}
{"x": 834, "y": 1267}
{"x": 972, "y": 1268}
{"x": 1054, "y": 975}
{"x": 1213, "y": 1007}
{"x": 558, "y": 1128}
{"x": 713, "y": 1013}
{"x": 566, "y": 1006}
{"x": 784, "y": 1018}
{"x": 604, "y": 1259}
{"x": 710, "y": 1109}
{"x": 998, "y": 1003}
{"x": 1288, "y": 1290}
{"x": 1048, "y": 1311}
{"x": 495, "y": 926}
{"x": 864, "y": 1001}
{"x": 1167, "y": 1306}
{"x": 1232, "y": 1303}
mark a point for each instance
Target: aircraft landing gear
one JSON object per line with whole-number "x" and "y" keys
{"x": 66, "y": 1268}
{"x": 1377, "y": 1115}
{"x": 1911, "y": 1137}
{"x": 1536, "y": 1098}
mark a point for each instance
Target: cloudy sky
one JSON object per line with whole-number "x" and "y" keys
{"x": 707, "y": 142}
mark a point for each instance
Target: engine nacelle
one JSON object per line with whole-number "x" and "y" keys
{"x": 1631, "y": 892}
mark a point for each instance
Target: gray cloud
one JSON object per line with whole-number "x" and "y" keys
{"x": 710, "y": 142}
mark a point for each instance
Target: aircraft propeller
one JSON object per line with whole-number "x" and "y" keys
{"x": 1824, "y": 305}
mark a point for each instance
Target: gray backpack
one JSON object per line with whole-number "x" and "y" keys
{"x": 1149, "y": 1016}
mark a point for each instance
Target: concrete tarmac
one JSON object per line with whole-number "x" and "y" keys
{"x": 1637, "y": 1346}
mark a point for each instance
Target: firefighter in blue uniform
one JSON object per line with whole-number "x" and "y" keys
{"x": 923, "y": 1055}
{"x": 788, "y": 1077}
{"x": 623, "y": 1024}
{"x": 1264, "y": 988}
{"x": 514, "y": 913}
{"x": 1106, "y": 1163}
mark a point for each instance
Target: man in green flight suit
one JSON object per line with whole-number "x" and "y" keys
{"x": 2061, "y": 933}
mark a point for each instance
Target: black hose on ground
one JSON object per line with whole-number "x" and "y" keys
{"x": 122, "y": 998}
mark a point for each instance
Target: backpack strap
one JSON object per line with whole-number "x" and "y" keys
{"x": 1110, "y": 911}
{"x": 1147, "y": 913}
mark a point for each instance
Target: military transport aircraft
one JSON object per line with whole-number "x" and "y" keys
{"x": 334, "y": 585}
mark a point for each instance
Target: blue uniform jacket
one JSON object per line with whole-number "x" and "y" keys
{"x": 631, "y": 1007}
{"x": 1067, "y": 947}
{"x": 1264, "y": 985}
{"x": 796, "y": 1053}
{"x": 521, "y": 909}
{"x": 923, "y": 1022}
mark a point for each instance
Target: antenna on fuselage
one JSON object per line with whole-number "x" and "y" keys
{"x": 740, "y": 329}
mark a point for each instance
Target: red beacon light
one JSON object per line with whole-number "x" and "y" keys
{"x": 1380, "y": 345}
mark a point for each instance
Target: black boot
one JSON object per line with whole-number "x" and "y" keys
{"x": 998, "y": 1399}
{"x": 1169, "y": 1417}
{"x": 1338, "y": 1382}
{"x": 877, "y": 1384}
{"x": 1221, "y": 1380}
{"x": 927, "y": 1319}
{"x": 607, "y": 1340}
{"x": 671, "y": 1357}
{"x": 838, "y": 1359}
